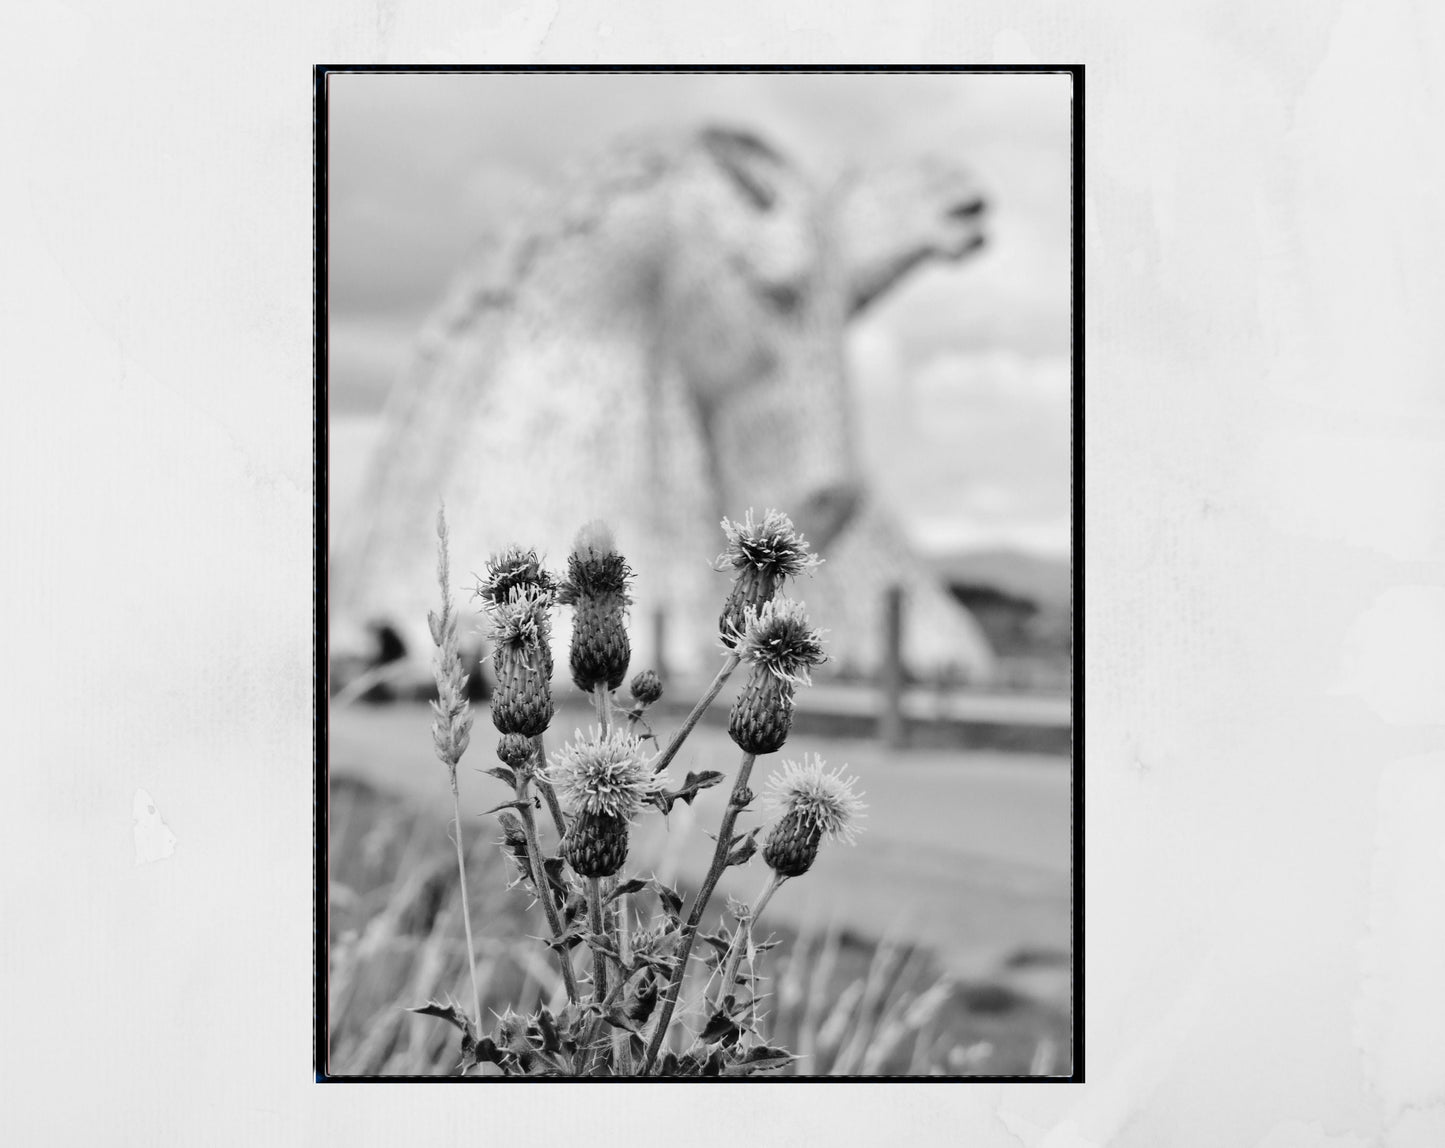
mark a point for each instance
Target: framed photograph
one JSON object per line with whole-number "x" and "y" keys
{"x": 698, "y": 534}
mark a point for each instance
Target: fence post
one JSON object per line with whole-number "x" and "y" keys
{"x": 890, "y": 718}
{"x": 659, "y": 643}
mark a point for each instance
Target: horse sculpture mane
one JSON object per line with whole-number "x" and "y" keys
{"x": 660, "y": 345}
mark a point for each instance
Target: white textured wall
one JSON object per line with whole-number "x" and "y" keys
{"x": 1266, "y": 625}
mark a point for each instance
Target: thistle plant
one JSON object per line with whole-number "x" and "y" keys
{"x": 597, "y": 590}
{"x": 763, "y": 556}
{"x": 521, "y": 634}
{"x": 781, "y": 648}
{"x": 602, "y": 781}
{"x": 812, "y": 805}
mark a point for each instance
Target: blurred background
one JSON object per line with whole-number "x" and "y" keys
{"x": 941, "y": 942}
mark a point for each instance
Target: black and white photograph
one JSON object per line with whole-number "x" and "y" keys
{"x": 839, "y": 573}
{"x": 700, "y": 574}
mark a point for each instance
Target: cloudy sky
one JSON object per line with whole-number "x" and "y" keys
{"x": 961, "y": 376}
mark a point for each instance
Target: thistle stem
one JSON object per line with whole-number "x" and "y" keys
{"x": 689, "y": 932}
{"x": 544, "y": 891}
{"x": 466, "y": 910}
{"x": 745, "y": 935}
{"x": 664, "y": 758}
{"x": 599, "y": 961}
{"x": 599, "y": 699}
{"x": 620, "y": 1051}
{"x": 549, "y": 794}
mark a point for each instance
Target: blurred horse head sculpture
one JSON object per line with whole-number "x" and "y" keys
{"x": 661, "y": 345}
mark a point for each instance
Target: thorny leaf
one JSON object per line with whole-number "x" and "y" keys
{"x": 602, "y": 943}
{"x": 517, "y": 804}
{"x": 760, "y": 1059}
{"x": 744, "y": 852}
{"x": 502, "y": 773}
{"x": 617, "y": 1020}
{"x": 692, "y": 785}
{"x": 484, "y": 1051}
{"x": 657, "y": 964}
{"x": 575, "y": 910}
{"x": 636, "y": 885}
{"x": 641, "y": 999}
{"x": 448, "y": 1012}
{"x": 557, "y": 879}
{"x": 688, "y": 1065}
{"x": 720, "y": 1028}
{"x": 570, "y": 936}
{"x": 551, "y": 1038}
{"x": 720, "y": 941}
{"x": 671, "y": 901}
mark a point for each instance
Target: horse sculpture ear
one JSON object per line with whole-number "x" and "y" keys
{"x": 892, "y": 220}
{"x": 749, "y": 162}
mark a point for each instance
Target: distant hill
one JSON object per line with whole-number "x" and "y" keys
{"x": 1039, "y": 578}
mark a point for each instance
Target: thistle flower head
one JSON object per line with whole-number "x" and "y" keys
{"x": 779, "y": 639}
{"x": 521, "y": 622}
{"x": 601, "y": 773}
{"x": 823, "y": 798}
{"x": 509, "y": 569}
{"x": 595, "y": 571}
{"x": 772, "y": 549}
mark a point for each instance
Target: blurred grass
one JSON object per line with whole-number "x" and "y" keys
{"x": 844, "y": 1003}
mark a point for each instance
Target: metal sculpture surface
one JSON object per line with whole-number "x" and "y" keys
{"x": 661, "y": 345}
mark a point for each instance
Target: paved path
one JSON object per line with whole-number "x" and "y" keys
{"x": 955, "y": 705}
{"x": 969, "y": 852}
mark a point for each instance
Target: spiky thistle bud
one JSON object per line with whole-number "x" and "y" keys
{"x": 815, "y": 805}
{"x": 605, "y": 779}
{"x": 515, "y": 750}
{"x": 597, "y": 589}
{"x": 522, "y": 658}
{"x": 595, "y": 845}
{"x": 781, "y": 648}
{"x": 763, "y": 555}
{"x": 646, "y": 687}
